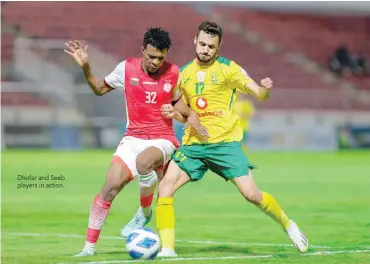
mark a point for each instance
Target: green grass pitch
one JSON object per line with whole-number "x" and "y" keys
{"x": 327, "y": 194}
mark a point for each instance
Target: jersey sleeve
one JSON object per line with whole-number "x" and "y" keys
{"x": 239, "y": 77}
{"x": 116, "y": 79}
{"x": 176, "y": 92}
{"x": 185, "y": 98}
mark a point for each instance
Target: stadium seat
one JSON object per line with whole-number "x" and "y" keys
{"x": 315, "y": 36}
{"x": 119, "y": 31}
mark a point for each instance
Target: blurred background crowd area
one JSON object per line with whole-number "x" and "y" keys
{"x": 317, "y": 53}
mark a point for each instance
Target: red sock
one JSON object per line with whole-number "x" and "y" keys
{"x": 98, "y": 212}
{"x": 146, "y": 201}
{"x": 148, "y": 184}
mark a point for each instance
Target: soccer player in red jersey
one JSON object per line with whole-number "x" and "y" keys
{"x": 148, "y": 83}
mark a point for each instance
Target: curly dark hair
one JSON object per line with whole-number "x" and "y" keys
{"x": 158, "y": 38}
{"x": 210, "y": 28}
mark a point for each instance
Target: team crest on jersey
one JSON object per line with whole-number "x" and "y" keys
{"x": 201, "y": 103}
{"x": 214, "y": 78}
{"x": 134, "y": 81}
{"x": 201, "y": 76}
{"x": 167, "y": 87}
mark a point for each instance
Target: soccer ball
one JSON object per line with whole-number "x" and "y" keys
{"x": 143, "y": 243}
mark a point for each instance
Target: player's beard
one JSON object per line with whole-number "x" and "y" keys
{"x": 206, "y": 60}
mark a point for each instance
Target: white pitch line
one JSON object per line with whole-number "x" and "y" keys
{"x": 179, "y": 241}
{"x": 180, "y": 259}
{"x": 248, "y": 244}
{"x": 231, "y": 257}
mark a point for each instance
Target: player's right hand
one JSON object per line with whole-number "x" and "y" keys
{"x": 76, "y": 51}
{"x": 168, "y": 111}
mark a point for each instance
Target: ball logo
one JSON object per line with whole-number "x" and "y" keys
{"x": 201, "y": 103}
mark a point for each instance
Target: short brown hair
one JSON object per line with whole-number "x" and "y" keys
{"x": 210, "y": 28}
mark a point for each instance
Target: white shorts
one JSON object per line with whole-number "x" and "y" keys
{"x": 130, "y": 147}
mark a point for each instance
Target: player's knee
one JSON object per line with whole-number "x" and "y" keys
{"x": 254, "y": 197}
{"x": 144, "y": 164}
{"x": 150, "y": 159}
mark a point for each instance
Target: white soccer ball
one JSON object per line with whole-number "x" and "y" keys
{"x": 143, "y": 243}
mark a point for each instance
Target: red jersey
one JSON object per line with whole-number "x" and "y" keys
{"x": 145, "y": 94}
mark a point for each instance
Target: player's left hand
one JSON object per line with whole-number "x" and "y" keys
{"x": 194, "y": 123}
{"x": 267, "y": 83}
{"x": 168, "y": 111}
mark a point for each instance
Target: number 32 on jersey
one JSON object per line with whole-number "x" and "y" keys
{"x": 150, "y": 97}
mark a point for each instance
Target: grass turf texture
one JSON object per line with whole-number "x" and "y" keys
{"x": 327, "y": 194}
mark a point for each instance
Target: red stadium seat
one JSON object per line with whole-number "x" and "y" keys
{"x": 315, "y": 36}
{"x": 119, "y": 29}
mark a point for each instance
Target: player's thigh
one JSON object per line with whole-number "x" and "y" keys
{"x": 161, "y": 171}
{"x": 228, "y": 160}
{"x": 189, "y": 160}
{"x": 165, "y": 146}
{"x": 173, "y": 180}
{"x": 248, "y": 188}
{"x": 149, "y": 159}
{"x": 127, "y": 152}
{"x": 157, "y": 152}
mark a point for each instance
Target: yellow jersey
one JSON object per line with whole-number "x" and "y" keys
{"x": 210, "y": 90}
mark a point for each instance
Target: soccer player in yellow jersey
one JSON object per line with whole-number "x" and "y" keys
{"x": 209, "y": 85}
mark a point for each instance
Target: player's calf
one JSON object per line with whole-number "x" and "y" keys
{"x": 165, "y": 215}
{"x": 117, "y": 177}
{"x": 248, "y": 189}
{"x": 268, "y": 204}
{"x": 146, "y": 163}
{"x": 114, "y": 183}
{"x": 148, "y": 184}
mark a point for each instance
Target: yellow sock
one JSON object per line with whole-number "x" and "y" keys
{"x": 271, "y": 207}
{"x": 166, "y": 222}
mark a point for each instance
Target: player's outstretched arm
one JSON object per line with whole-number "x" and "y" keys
{"x": 183, "y": 113}
{"x": 192, "y": 119}
{"x": 168, "y": 111}
{"x": 261, "y": 93}
{"x": 182, "y": 108}
{"x": 79, "y": 54}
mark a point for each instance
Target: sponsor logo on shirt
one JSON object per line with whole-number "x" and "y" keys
{"x": 201, "y": 103}
{"x": 216, "y": 113}
{"x": 150, "y": 83}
